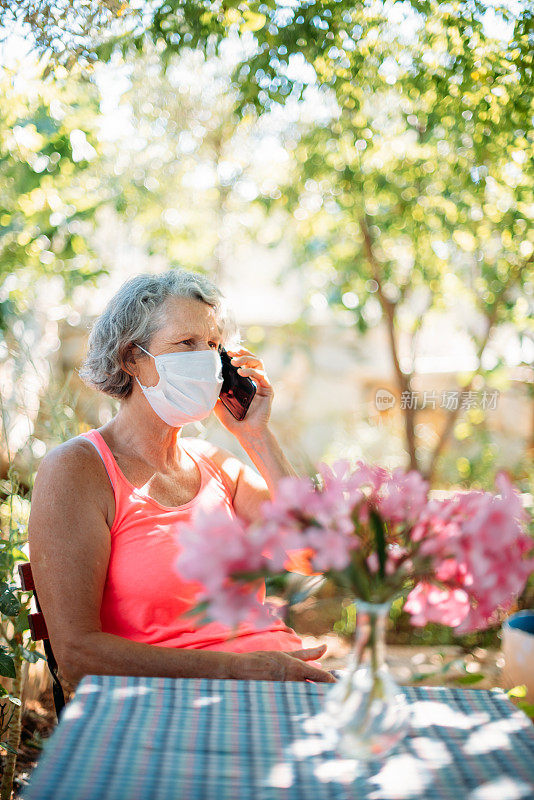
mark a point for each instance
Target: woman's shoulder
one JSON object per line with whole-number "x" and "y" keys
{"x": 199, "y": 445}
{"x": 218, "y": 454}
{"x": 226, "y": 462}
{"x": 206, "y": 449}
{"x": 72, "y": 485}
{"x": 73, "y": 458}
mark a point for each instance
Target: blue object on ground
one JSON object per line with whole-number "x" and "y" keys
{"x": 522, "y": 620}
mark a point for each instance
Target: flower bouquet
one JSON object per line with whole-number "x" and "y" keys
{"x": 377, "y": 536}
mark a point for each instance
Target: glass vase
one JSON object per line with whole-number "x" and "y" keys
{"x": 366, "y": 709}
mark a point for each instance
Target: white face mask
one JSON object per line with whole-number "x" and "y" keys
{"x": 188, "y": 387}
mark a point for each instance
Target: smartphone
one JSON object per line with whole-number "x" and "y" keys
{"x": 237, "y": 390}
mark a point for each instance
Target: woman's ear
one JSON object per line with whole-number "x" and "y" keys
{"x": 128, "y": 359}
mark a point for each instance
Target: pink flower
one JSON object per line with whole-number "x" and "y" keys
{"x": 303, "y": 516}
{"x": 510, "y": 496}
{"x": 469, "y": 552}
{"x": 363, "y": 513}
{"x": 368, "y": 475}
{"x": 337, "y": 474}
{"x": 292, "y": 497}
{"x": 332, "y": 548}
{"x": 428, "y": 603}
{"x": 235, "y": 604}
{"x": 403, "y": 497}
{"x": 477, "y": 546}
{"x": 213, "y": 546}
{"x": 372, "y": 563}
{"x": 396, "y": 560}
{"x": 275, "y": 542}
{"x": 331, "y": 509}
{"x": 394, "y": 554}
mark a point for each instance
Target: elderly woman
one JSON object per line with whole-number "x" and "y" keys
{"x": 108, "y": 504}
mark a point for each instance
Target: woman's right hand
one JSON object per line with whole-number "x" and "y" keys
{"x": 281, "y": 665}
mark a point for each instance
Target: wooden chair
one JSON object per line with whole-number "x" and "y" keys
{"x": 39, "y": 632}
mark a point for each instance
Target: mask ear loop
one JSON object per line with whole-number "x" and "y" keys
{"x": 144, "y": 351}
{"x": 148, "y": 354}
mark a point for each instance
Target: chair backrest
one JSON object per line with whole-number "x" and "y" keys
{"x": 39, "y": 631}
{"x": 36, "y": 621}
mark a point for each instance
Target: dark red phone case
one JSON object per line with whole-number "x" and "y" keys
{"x": 237, "y": 390}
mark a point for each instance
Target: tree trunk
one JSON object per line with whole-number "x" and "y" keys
{"x": 403, "y": 379}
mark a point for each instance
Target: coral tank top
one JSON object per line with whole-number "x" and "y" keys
{"x": 144, "y": 597}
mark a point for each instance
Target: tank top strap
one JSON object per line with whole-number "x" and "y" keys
{"x": 193, "y": 446}
{"x": 125, "y": 493}
{"x": 114, "y": 474}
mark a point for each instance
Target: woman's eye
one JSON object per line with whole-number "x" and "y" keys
{"x": 190, "y": 341}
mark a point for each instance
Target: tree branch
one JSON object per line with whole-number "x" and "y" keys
{"x": 490, "y": 324}
{"x": 389, "y": 309}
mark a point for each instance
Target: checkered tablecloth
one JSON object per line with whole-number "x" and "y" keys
{"x": 124, "y": 738}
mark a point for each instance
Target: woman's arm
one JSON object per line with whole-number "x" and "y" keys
{"x": 255, "y": 438}
{"x": 248, "y": 488}
{"x": 69, "y": 538}
{"x": 69, "y": 534}
{"x": 265, "y": 452}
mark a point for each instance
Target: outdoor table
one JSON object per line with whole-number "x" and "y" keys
{"x": 126, "y": 738}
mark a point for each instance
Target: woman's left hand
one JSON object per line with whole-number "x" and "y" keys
{"x": 257, "y": 416}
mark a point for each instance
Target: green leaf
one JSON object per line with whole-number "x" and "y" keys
{"x": 9, "y": 605}
{"x": 15, "y": 700}
{"x": 517, "y": 691}
{"x": 105, "y": 49}
{"x": 30, "y": 655}
{"x": 380, "y": 540}
{"x": 527, "y": 708}
{"x": 8, "y": 747}
{"x": 420, "y": 676}
{"x": 356, "y": 576}
{"x": 21, "y": 622}
{"x": 7, "y": 665}
{"x": 254, "y": 22}
{"x": 198, "y": 609}
{"x": 35, "y": 741}
{"x": 248, "y": 576}
{"x": 472, "y": 677}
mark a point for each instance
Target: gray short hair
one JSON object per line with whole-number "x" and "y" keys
{"x": 134, "y": 314}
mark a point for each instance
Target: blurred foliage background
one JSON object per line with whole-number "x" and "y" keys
{"x": 357, "y": 177}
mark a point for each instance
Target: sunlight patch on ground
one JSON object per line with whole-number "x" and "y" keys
{"x": 402, "y": 776}
{"x": 131, "y": 691}
{"x": 428, "y": 712}
{"x": 207, "y": 701}
{"x": 493, "y": 736}
{"x": 280, "y": 776}
{"x": 511, "y": 789}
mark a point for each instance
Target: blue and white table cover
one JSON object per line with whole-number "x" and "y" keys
{"x": 127, "y": 738}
